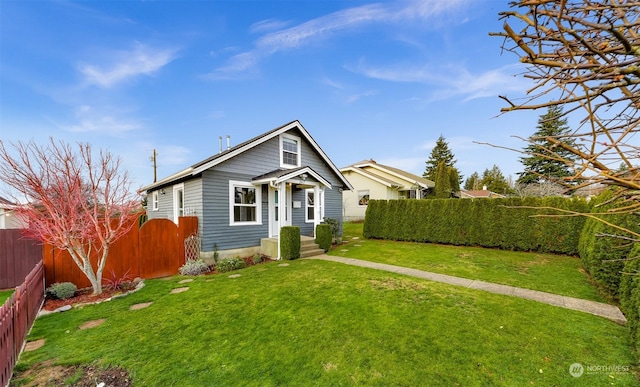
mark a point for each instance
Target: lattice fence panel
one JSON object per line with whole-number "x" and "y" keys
{"x": 192, "y": 247}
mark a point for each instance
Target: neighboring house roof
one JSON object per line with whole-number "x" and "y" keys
{"x": 401, "y": 178}
{"x": 225, "y": 155}
{"x": 4, "y": 203}
{"x": 479, "y": 193}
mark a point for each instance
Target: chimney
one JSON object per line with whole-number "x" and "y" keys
{"x": 228, "y": 142}
{"x": 220, "y": 141}
{"x": 484, "y": 187}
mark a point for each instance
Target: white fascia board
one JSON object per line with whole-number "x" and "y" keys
{"x": 168, "y": 179}
{"x": 307, "y": 170}
{"x": 398, "y": 175}
{"x": 370, "y": 176}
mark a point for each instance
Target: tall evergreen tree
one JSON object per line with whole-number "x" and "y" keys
{"x": 442, "y": 181}
{"x": 473, "y": 182}
{"x": 495, "y": 181}
{"x": 542, "y": 164}
{"x": 439, "y": 153}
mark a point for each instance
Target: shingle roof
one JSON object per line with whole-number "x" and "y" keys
{"x": 392, "y": 170}
{"x": 211, "y": 161}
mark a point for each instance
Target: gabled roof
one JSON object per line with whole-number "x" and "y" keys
{"x": 280, "y": 175}
{"x": 4, "y": 203}
{"x": 223, "y": 156}
{"x": 405, "y": 176}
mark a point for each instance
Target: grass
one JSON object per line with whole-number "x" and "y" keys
{"x": 5, "y": 294}
{"x": 557, "y": 274}
{"x": 324, "y": 323}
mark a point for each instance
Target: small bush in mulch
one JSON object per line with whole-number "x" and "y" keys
{"x": 62, "y": 290}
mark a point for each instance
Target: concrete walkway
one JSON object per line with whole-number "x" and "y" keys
{"x": 610, "y": 312}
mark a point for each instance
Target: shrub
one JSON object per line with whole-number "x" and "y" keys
{"x": 229, "y": 264}
{"x": 604, "y": 248}
{"x": 630, "y": 296}
{"x": 257, "y": 258}
{"x": 119, "y": 283}
{"x": 323, "y": 236}
{"x": 194, "y": 267}
{"x": 62, "y": 290}
{"x": 335, "y": 227}
{"x": 496, "y": 223}
{"x": 290, "y": 242}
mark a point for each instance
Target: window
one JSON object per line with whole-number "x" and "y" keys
{"x": 311, "y": 203}
{"x": 289, "y": 151}
{"x": 310, "y": 206}
{"x": 154, "y": 201}
{"x": 244, "y": 203}
{"x": 363, "y": 198}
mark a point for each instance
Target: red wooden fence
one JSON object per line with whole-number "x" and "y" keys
{"x": 16, "y": 318}
{"x": 18, "y": 256}
{"x": 152, "y": 251}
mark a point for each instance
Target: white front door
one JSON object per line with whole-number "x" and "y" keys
{"x": 274, "y": 210}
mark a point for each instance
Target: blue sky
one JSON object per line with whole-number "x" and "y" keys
{"x": 367, "y": 79}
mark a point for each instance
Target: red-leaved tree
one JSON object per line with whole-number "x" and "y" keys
{"x": 71, "y": 199}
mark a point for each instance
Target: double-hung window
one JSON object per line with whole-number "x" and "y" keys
{"x": 311, "y": 203}
{"x": 154, "y": 200}
{"x": 289, "y": 151}
{"x": 244, "y": 203}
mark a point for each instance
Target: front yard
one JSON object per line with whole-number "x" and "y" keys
{"x": 556, "y": 274}
{"x": 323, "y": 323}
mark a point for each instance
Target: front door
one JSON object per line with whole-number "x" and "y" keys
{"x": 274, "y": 210}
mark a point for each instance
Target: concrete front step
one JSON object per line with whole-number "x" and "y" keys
{"x": 310, "y": 252}
{"x": 309, "y": 248}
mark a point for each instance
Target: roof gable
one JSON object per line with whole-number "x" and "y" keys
{"x": 236, "y": 150}
{"x": 397, "y": 176}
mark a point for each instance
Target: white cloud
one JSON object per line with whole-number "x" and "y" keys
{"x": 267, "y": 25}
{"x": 124, "y": 65}
{"x": 451, "y": 80}
{"x": 107, "y": 121}
{"x": 327, "y": 26}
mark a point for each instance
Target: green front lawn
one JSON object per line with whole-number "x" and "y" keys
{"x": 557, "y": 274}
{"x": 324, "y": 323}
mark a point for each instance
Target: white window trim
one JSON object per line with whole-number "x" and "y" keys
{"x": 297, "y": 140}
{"x": 154, "y": 201}
{"x": 243, "y": 184}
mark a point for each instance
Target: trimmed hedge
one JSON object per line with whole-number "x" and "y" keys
{"x": 603, "y": 256}
{"x": 324, "y": 236}
{"x": 495, "y": 223}
{"x": 290, "y": 242}
{"x": 630, "y": 296}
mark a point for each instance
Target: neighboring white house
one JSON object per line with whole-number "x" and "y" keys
{"x": 8, "y": 218}
{"x": 371, "y": 180}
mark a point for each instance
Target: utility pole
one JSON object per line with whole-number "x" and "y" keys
{"x": 154, "y": 159}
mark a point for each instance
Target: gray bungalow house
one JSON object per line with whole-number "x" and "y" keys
{"x": 246, "y": 193}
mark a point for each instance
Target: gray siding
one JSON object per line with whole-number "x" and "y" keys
{"x": 216, "y": 219}
{"x": 208, "y": 196}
